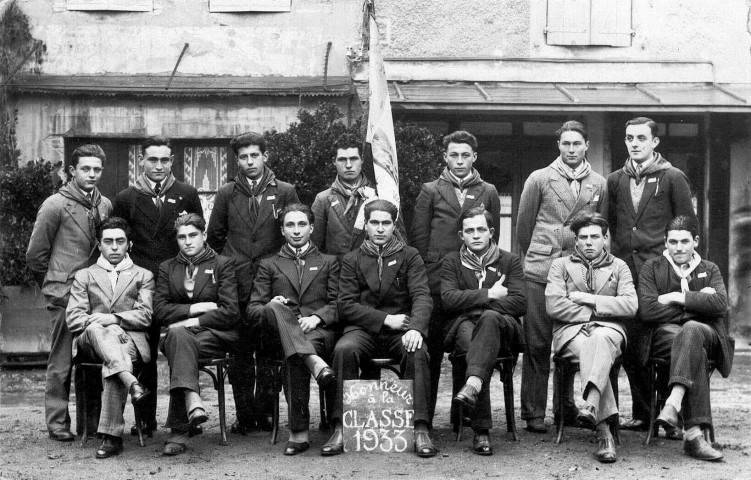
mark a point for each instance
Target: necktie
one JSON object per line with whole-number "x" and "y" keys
{"x": 157, "y": 189}
{"x": 253, "y": 203}
{"x": 191, "y": 268}
{"x": 299, "y": 264}
{"x": 575, "y": 187}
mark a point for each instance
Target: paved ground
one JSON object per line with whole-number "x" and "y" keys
{"x": 27, "y": 453}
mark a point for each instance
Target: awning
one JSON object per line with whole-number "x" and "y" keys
{"x": 675, "y": 97}
{"x": 183, "y": 86}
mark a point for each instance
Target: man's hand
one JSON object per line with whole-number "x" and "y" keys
{"x": 498, "y": 291}
{"x": 397, "y": 322}
{"x": 202, "y": 307}
{"x": 708, "y": 290}
{"x": 104, "y": 319}
{"x": 188, "y": 322}
{"x": 412, "y": 340}
{"x": 677, "y": 298}
{"x": 280, "y": 299}
{"x": 308, "y": 324}
{"x": 582, "y": 298}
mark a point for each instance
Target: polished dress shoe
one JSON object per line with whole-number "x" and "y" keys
{"x": 238, "y": 428}
{"x": 62, "y": 435}
{"x": 173, "y": 448}
{"x": 635, "y": 425}
{"x": 110, "y": 447}
{"x": 699, "y": 449}
{"x": 536, "y": 425}
{"x": 137, "y": 393}
{"x": 481, "y": 444}
{"x": 197, "y": 416}
{"x": 335, "y": 445}
{"x": 606, "y": 449}
{"x": 326, "y": 378}
{"x": 423, "y": 444}
{"x": 587, "y": 416}
{"x": 467, "y": 396}
{"x": 293, "y": 448}
{"x": 668, "y": 417}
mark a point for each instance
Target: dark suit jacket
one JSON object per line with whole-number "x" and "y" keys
{"x": 332, "y": 232}
{"x": 153, "y": 230}
{"x": 708, "y": 308}
{"x": 232, "y": 234}
{"x": 215, "y": 282}
{"x": 461, "y": 295}
{"x": 434, "y": 226}
{"x": 364, "y": 302}
{"x": 316, "y": 295}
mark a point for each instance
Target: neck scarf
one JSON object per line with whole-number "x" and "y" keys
{"x": 144, "y": 186}
{"x": 113, "y": 271}
{"x": 355, "y": 194}
{"x": 684, "y": 273}
{"x": 72, "y": 191}
{"x": 242, "y": 183}
{"x": 655, "y": 165}
{"x": 584, "y": 170}
{"x": 372, "y": 250}
{"x": 462, "y": 184}
{"x": 204, "y": 255}
{"x": 589, "y": 266}
{"x": 292, "y": 253}
{"x": 477, "y": 264}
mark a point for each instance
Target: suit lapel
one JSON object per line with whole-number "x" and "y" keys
{"x": 204, "y": 274}
{"x": 391, "y": 266}
{"x": 103, "y": 280}
{"x": 78, "y": 213}
{"x": 338, "y": 204}
{"x": 267, "y": 206}
{"x": 168, "y": 207}
{"x": 289, "y": 269}
{"x": 586, "y": 192}
{"x": 649, "y": 190}
{"x": 575, "y": 272}
{"x": 624, "y": 187}
{"x": 145, "y": 204}
{"x": 602, "y": 275}
{"x": 561, "y": 188}
{"x": 124, "y": 280}
{"x": 369, "y": 270}
{"x": 701, "y": 277}
{"x": 177, "y": 278}
{"x": 310, "y": 271}
{"x": 473, "y": 196}
{"x": 446, "y": 190}
{"x": 240, "y": 200}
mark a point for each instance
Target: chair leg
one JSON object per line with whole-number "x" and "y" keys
{"x": 461, "y": 423}
{"x": 652, "y": 403}
{"x": 139, "y": 426}
{"x": 85, "y": 402}
{"x": 507, "y": 378}
{"x": 275, "y": 408}
{"x": 615, "y": 424}
{"x": 558, "y": 387}
{"x": 324, "y": 425}
{"x": 220, "y": 373}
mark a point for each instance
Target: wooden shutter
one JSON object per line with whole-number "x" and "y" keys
{"x": 568, "y": 22}
{"x": 611, "y": 23}
{"x": 118, "y": 5}
{"x": 250, "y": 5}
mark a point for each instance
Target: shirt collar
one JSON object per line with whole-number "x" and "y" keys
{"x": 644, "y": 164}
{"x": 303, "y": 249}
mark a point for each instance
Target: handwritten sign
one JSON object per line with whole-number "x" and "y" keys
{"x": 377, "y": 415}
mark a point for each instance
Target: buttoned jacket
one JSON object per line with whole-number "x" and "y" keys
{"x": 332, "y": 233}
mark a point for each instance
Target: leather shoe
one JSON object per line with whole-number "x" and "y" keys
{"x": 481, "y": 444}
{"x": 635, "y": 425}
{"x": 173, "y": 448}
{"x": 335, "y": 445}
{"x": 197, "y": 416}
{"x": 668, "y": 417}
{"x": 62, "y": 435}
{"x": 424, "y": 445}
{"x": 673, "y": 433}
{"x": 587, "y": 416}
{"x": 263, "y": 423}
{"x": 699, "y": 449}
{"x": 293, "y": 448}
{"x": 606, "y": 449}
{"x": 110, "y": 447}
{"x": 238, "y": 428}
{"x": 326, "y": 378}
{"x": 137, "y": 393}
{"x": 536, "y": 425}
{"x": 467, "y": 396}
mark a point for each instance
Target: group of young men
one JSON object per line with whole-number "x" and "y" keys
{"x": 333, "y": 285}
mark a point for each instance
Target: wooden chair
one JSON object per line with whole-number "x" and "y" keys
{"x": 218, "y": 376}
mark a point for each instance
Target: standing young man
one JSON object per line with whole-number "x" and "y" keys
{"x": 644, "y": 196}
{"x": 151, "y": 207}
{"x": 439, "y": 206}
{"x": 243, "y": 226}
{"x": 62, "y": 242}
{"x": 551, "y": 198}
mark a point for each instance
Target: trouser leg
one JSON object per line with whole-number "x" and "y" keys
{"x": 596, "y": 357}
{"x": 638, "y": 378}
{"x": 149, "y": 379}
{"x": 114, "y": 397}
{"x": 435, "y": 348}
{"x": 242, "y": 376}
{"x": 416, "y": 367}
{"x": 354, "y": 347}
{"x": 59, "y": 363}
{"x": 663, "y": 338}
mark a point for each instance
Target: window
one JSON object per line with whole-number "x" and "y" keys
{"x": 118, "y": 5}
{"x": 589, "y": 22}
{"x": 250, "y": 5}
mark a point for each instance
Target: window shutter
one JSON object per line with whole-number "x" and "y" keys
{"x": 118, "y": 5}
{"x": 250, "y": 5}
{"x": 568, "y": 22}
{"x": 611, "y": 23}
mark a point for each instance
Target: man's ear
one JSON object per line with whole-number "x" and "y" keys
{"x": 461, "y": 236}
{"x": 492, "y": 231}
{"x": 130, "y": 245}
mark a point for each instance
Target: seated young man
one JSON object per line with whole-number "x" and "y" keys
{"x": 196, "y": 306}
{"x": 589, "y": 293}
{"x": 483, "y": 286}
{"x": 384, "y": 307}
{"x": 109, "y": 313}
{"x": 682, "y": 298}
{"x": 293, "y": 308}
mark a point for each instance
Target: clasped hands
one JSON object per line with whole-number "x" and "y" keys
{"x": 412, "y": 339}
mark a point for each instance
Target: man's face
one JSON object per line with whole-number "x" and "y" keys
{"x": 380, "y": 227}
{"x": 156, "y": 162}
{"x": 348, "y": 164}
{"x": 190, "y": 240}
{"x": 251, "y": 159}
{"x": 573, "y": 148}
{"x": 296, "y": 229}
{"x": 114, "y": 245}
{"x": 87, "y": 173}
{"x": 476, "y": 234}
{"x": 459, "y": 157}
{"x": 640, "y": 142}
{"x": 681, "y": 245}
{"x": 590, "y": 241}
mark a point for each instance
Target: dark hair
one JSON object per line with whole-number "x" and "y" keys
{"x": 589, "y": 220}
{"x": 460, "y": 136}
{"x": 90, "y": 150}
{"x": 644, "y": 121}
{"x": 474, "y": 212}
{"x": 381, "y": 205}
{"x": 248, "y": 139}
{"x": 155, "y": 141}
{"x": 347, "y": 140}
{"x": 573, "y": 126}
{"x": 296, "y": 207}
{"x": 111, "y": 223}
{"x": 683, "y": 222}
{"x": 189, "y": 219}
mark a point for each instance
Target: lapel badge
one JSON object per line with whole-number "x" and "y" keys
{"x": 334, "y": 203}
{"x": 701, "y": 275}
{"x": 470, "y": 196}
{"x": 392, "y": 262}
{"x": 171, "y": 200}
{"x": 313, "y": 269}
